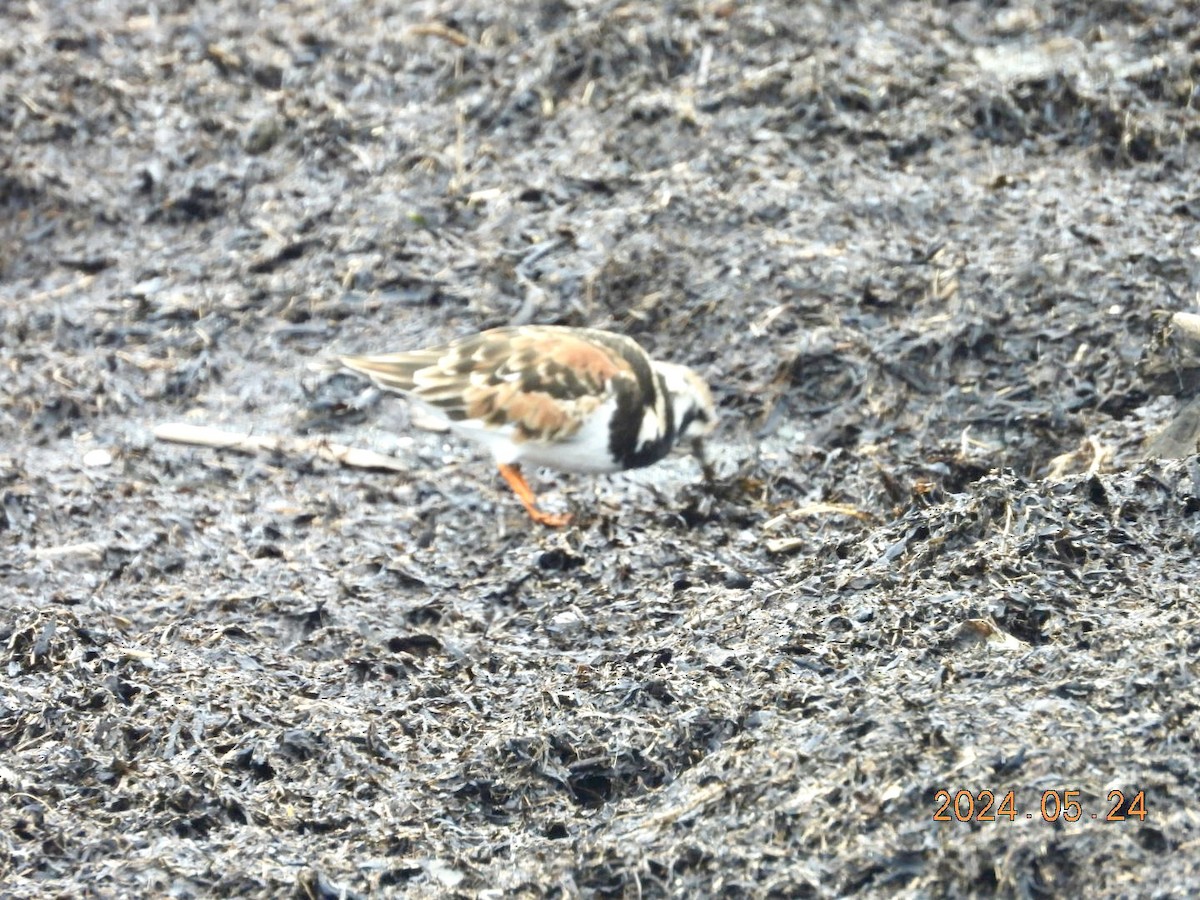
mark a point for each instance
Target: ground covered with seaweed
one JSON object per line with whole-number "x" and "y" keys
{"x": 922, "y": 252}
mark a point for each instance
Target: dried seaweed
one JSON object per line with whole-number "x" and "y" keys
{"x": 928, "y": 255}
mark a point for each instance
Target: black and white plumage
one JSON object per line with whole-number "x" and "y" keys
{"x": 572, "y": 399}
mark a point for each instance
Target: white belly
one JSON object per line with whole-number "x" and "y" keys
{"x": 586, "y": 451}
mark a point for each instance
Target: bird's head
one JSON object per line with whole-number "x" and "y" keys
{"x": 691, "y": 400}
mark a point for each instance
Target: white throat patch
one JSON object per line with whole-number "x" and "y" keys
{"x": 652, "y": 425}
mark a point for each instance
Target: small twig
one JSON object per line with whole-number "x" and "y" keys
{"x": 445, "y": 32}
{"x": 63, "y": 290}
{"x": 703, "y": 798}
{"x": 93, "y": 550}
{"x": 817, "y": 509}
{"x": 204, "y": 436}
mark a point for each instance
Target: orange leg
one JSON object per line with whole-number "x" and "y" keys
{"x": 516, "y": 481}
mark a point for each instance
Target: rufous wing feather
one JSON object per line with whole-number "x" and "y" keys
{"x": 543, "y": 381}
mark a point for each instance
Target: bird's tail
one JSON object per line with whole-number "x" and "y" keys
{"x": 392, "y": 371}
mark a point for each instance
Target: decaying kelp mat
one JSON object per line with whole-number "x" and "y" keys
{"x": 932, "y": 259}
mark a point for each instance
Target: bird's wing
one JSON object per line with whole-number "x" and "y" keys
{"x": 543, "y": 381}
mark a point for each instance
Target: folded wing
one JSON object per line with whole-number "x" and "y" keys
{"x": 544, "y": 382}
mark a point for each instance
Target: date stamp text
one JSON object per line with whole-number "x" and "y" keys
{"x": 1054, "y": 805}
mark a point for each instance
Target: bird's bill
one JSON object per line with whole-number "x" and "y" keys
{"x": 705, "y": 466}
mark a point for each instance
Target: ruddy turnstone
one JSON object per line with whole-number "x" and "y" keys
{"x": 572, "y": 399}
